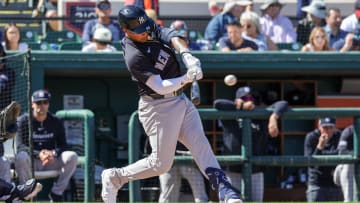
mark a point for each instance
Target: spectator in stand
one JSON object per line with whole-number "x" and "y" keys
{"x": 101, "y": 42}
{"x": 334, "y": 32}
{"x": 322, "y": 141}
{"x": 344, "y": 173}
{"x": 352, "y": 22}
{"x": 234, "y": 41}
{"x": 318, "y": 41}
{"x": 49, "y": 8}
{"x": 144, "y": 4}
{"x": 50, "y": 149}
{"x": 250, "y": 23}
{"x": 103, "y": 11}
{"x": 299, "y": 5}
{"x": 194, "y": 44}
{"x": 352, "y": 42}
{"x": 278, "y": 27}
{"x": 232, "y": 11}
{"x": 261, "y": 130}
{"x": 152, "y": 14}
{"x": 316, "y": 13}
{"x": 12, "y": 39}
{"x": 214, "y": 7}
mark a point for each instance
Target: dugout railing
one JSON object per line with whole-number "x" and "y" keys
{"x": 87, "y": 157}
{"x": 246, "y": 156}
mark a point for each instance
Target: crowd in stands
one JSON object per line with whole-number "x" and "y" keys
{"x": 267, "y": 28}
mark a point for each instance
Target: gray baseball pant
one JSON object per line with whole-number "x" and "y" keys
{"x": 257, "y": 184}
{"x": 170, "y": 183}
{"x": 66, "y": 163}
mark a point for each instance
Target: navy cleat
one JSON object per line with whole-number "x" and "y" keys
{"x": 26, "y": 191}
{"x": 219, "y": 182}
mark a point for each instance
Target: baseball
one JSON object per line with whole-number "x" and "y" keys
{"x": 230, "y": 80}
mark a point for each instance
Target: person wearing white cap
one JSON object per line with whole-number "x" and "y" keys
{"x": 278, "y": 27}
{"x": 101, "y": 42}
{"x": 316, "y": 13}
{"x": 232, "y": 11}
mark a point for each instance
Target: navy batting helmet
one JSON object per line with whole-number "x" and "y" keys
{"x": 135, "y": 19}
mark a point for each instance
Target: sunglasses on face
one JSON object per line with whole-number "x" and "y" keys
{"x": 103, "y": 7}
{"x": 45, "y": 102}
{"x": 320, "y": 37}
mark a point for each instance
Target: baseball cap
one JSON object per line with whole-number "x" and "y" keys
{"x": 242, "y": 91}
{"x": 357, "y": 8}
{"x": 327, "y": 121}
{"x": 103, "y": 35}
{"x": 40, "y": 95}
{"x": 103, "y": 5}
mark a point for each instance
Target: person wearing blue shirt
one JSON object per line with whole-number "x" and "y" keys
{"x": 335, "y": 33}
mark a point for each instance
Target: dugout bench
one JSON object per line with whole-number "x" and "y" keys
{"x": 246, "y": 156}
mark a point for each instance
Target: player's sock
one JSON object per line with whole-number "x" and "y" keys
{"x": 219, "y": 182}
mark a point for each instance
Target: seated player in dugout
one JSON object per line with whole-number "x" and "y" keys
{"x": 246, "y": 100}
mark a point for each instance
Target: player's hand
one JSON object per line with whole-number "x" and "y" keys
{"x": 194, "y": 72}
{"x": 323, "y": 139}
{"x": 190, "y": 61}
{"x": 46, "y": 156}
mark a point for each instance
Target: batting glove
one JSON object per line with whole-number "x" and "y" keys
{"x": 190, "y": 61}
{"x": 194, "y": 72}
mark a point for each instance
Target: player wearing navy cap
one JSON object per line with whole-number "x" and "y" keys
{"x": 166, "y": 114}
{"x": 49, "y": 145}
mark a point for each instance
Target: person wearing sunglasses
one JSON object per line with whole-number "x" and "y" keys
{"x": 318, "y": 41}
{"x": 165, "y": 112}
{"x": 50, "y": 149}
{"x": 261, "y": 130}
{"x": 103, "y": 12}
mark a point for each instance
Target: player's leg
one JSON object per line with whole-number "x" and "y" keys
{"x": 5, "y": 169}
{"x": 161, "y": 120}
{"x": 23, "y": 166}
{"x": 21, "y": 192}
{"x": 257, "y": 187}
{"x": 347, "y": 181}
{"x": 193, "y": 137}
{"x": 170, "y": 183}
{"x": 196, "y": 181}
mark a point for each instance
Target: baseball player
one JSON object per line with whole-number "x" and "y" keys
{"x": 165, "y": 112}
{"x": 21, "y": 192}
{"x": 344, "y": 173}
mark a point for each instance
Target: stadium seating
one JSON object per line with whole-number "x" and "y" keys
{"x": 296, "y": 46}
{"x": 38, "y": 46}
{"x": 74, "y": 46}
{"x": 117, "y": 45}
{"x": 29, "y": 36}
{"x": 58, "y": 37}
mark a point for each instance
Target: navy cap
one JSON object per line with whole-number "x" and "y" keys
{"x": 40, "y": 95}
{"x": 242, "y": 91}
{"x": 327, "y": 121}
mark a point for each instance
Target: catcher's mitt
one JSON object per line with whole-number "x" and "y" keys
{"x": 8, "y": 118}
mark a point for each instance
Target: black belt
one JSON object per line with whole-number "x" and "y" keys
{"x": 160, "y": 96}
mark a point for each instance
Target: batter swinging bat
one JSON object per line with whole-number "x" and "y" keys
{"x": 195, "y": 92}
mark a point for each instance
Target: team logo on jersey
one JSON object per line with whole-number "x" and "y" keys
{"x": 162, "y": 59}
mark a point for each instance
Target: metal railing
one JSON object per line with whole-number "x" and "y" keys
{"x": 88, "y": 159}
{"x": 246, "y": 156}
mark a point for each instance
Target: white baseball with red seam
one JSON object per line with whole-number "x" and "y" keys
{"x": 230, "y": 80}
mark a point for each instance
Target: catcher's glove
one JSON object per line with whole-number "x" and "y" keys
{"x": 8, "y": 117}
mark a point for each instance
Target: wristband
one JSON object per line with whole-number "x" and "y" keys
{"x": 184, "y": 50}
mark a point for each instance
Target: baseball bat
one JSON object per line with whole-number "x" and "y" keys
{"x": 195, "y": 91}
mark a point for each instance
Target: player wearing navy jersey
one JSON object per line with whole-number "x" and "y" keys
{"x": 344, "y": 173}
{"x": 49, "y": 145}
{"x": 166, "y": 114}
